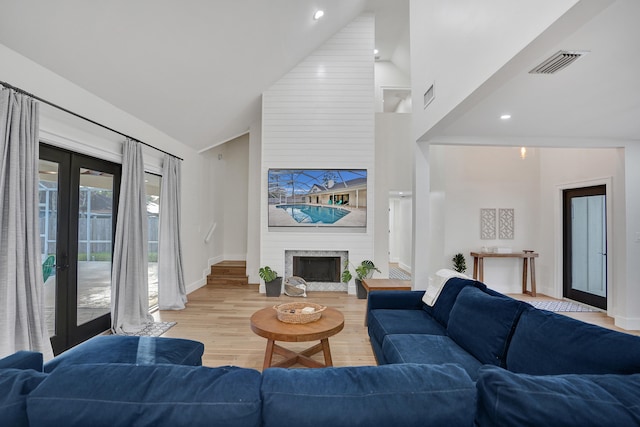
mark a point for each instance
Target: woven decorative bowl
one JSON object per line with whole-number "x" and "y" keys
{"x": 292, "y": 312}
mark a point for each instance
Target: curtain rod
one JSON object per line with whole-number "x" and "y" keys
{"x": 24, "y": 92}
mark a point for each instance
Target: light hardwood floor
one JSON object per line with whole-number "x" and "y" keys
{"x": 218, "y": 316}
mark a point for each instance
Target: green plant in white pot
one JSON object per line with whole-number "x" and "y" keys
{"x": 272, "y": 282}
{"x": 363, "y": 271}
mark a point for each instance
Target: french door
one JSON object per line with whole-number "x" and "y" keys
{"x": 78, "y": 211}
{"x": 585, "y": 245}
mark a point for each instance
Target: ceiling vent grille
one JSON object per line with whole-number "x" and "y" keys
{"x": 429, "y": 95}
{"x": 558, "y": 61}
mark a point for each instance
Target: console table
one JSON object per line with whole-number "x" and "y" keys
{"x": 528, "y": 257}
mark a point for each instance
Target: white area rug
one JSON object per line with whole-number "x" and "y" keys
{"x": 153, "y": 329}
{"x": 561, "y": 306}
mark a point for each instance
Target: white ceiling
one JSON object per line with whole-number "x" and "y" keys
{"x": 597, "y": 98}
{"x": 194, "y": 69}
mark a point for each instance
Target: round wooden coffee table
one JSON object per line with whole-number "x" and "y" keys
{"x": 266, "y": 324}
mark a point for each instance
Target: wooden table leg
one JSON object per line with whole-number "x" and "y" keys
{"x": 327, "y": 352}
{"x": 481, "y": 268}
{"x": 533, "y": 277}
{"x": 475, "y": 268}
{"x": 524, "y": 275}
{"x": 268, "y": 354}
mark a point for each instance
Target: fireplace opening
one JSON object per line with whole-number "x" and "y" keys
{"x": 317, "y": 268}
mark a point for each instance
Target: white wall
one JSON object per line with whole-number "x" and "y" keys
{"x": 459, "y": 44}
{"x": 236, "y": 160}
{"x": 467, "y": 179}
{"x": 254, "y": 194}
{"x": 394, "y": 173}
{"x": 572, "y": 168}
{"x": 387, "y": 75}
{"x": 59, "y": 129}
{"x": 227, "y": 187}
{"x": 400, "y": 232}
{"x": 320, "y": 115}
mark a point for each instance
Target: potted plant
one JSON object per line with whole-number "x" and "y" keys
{"x": 272, "y": 282}
{"x": 363, "y": 271}
{"x": 459, "y": 263}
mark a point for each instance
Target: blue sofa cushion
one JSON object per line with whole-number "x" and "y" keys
{"x": 546, "y": 343}
{"x": 146, "y": 395}
{"x": 483, "y": 324}
{"x": 126, "y": 349}
{"x": 428, "y": 349}
{"x": 509, "y": 399}
{"x": 15, "y": 385}
{"x": 385, "y": 322}
{"x": 390, "y": 395}
{"x": 395, "y": 300}
{"x": 443, "y": 305}
{"x": 23, "y": 360}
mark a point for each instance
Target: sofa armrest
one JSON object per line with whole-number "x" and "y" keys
{"x": 407, "y": 300}
{"x": 23, "y": 360}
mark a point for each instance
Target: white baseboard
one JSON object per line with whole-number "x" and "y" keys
{"x": 404, "y": 267}
{"x": 196, "y": 285}
{"x": 626, "y": 323}
{"x": 205, "y": 272}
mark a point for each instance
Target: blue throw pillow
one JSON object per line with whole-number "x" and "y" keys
{"x": 483, "y": 324}
{"x": 443, "y": 305}
{"x": 15, "y": 385}
{"x": 389, "y": 395}
{"x": 147, "y": 395}
{"x": 131, "y": 349}
{"x": 509, "y": 399}
{"x": 23, "y": 360}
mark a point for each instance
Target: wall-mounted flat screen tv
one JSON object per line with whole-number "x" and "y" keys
{"x": 317, "y": 198}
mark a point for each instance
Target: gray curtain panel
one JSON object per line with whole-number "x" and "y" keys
{"x": 172, "y": 294}
{"x": 130, "y": 268}
{"x": 22, "y": 319}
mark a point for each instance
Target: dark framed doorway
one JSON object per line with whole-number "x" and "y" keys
{"x": 78, "y": 211}
{"x": 585, "y": 245}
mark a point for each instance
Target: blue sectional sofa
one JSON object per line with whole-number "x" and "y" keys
{"x": 475, "y": 358}
{"x": 531, "y": 367}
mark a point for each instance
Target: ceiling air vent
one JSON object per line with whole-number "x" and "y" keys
{"x": 428, "y": 96}
{"x": 558, "y": 61}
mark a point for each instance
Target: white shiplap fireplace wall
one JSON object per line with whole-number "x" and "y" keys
{"x": 321, "y": 115}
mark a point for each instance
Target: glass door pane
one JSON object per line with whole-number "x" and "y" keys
{"x": 585, "y": 245}
{"x": 152, "y": 183}
{"x": 95, "y": 219}
{"x": 589, "y": 245}
{"x": 48, "y": 200}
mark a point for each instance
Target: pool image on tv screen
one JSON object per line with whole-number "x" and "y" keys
{"x": 317, "y": 197}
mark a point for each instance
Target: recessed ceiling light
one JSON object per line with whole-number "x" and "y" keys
{"x": 319, "y": 14}
{"x": 505, "y": 116}
{"x": 375, "y": 51}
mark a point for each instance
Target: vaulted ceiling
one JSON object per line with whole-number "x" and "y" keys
{"x": 194, "y": 69}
